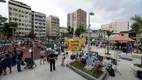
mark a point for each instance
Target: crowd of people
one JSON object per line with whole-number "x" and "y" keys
{"x": 8, "y": 60}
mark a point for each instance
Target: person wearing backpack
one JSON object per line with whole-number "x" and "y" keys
{"x": 108, "y": 65}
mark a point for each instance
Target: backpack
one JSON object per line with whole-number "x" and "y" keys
{"x": 111, "y": 71}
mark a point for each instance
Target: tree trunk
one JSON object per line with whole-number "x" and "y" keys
{"x": 107, "y": 47}
{"x": 141, "y": 58}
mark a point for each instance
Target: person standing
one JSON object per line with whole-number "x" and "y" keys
{"x": 42, "y": 55}
{"x": 14, "y": 57}
{"x": 63, "y": 60}
{"x": 19, "y": 61}
{"x": 52, "y": 61}
{"x": 7, "y": 63}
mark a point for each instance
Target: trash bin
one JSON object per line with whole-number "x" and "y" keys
{"x": 139, "y": 74}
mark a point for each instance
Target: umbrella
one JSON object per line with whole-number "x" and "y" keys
{"x": 120, "y": 38}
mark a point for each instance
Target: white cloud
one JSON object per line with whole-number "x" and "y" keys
{"x": 106, "y": 11}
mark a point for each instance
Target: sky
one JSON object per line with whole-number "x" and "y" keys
{"x": 106, "y": 11}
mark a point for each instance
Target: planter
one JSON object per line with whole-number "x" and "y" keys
{"x": 104, "y": 76}
{"x": 136, "y": 55}
{"x": 135, "y": 68}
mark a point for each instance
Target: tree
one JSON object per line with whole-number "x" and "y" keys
{"x": 2, "y": 21}
{"x": 109, "y": 33}
{"x": 9, "y": 28}
{"x": 32, "y": 35}
{"x": 137, "y": 28}
{"x": 58, "y": 32}
{"x": 70, "y": 31}
{"x": 79, "y": 31}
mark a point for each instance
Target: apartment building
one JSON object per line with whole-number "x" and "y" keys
{"x": 76, "y": 19}
{"x": 20, "y": 13}
{"x": 39, "y": 24}
{"x": 53, "y": 24}
{"x": 117, "y": 27}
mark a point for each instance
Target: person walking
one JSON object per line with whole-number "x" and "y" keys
{"x": 42, "y": 56}
{"x": 19, "y": 61}
{"x": 63, "y": 60}
{"x": 52, "y": 61}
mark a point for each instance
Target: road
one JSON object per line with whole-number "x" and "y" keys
{"x": 41, "y": 72}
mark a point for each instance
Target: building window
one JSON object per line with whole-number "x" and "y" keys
{"x": 19, "y": 24}
{"x": 10, "y": 18}
{"x": 10, "y": 13}
{"x": 19, "y": 15}
{"x": 22, "y": 11}
{"x": 19, "y": 20}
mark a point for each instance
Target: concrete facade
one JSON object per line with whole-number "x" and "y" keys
{"x": 21, "y": 14}
{"x": 76, "y": 19}
{"x": 39, "y": 24}
{"x": 116, "y": 26}
{"x": 53, "y": 24}
{"x": 63, "y": 30}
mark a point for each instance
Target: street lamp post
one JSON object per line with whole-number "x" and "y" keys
{"x": 90, "y": 14}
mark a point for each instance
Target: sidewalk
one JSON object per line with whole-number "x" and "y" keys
{"x": 41, "y": 72}
{"x": 123, "y": 67}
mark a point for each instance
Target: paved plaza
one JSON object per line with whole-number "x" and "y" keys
{"x": 41, "y": 72}
{"x": 124, "y": 72}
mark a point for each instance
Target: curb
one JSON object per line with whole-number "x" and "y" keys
{"x": 124, "y": 58}
{"x": 104, "y": 76}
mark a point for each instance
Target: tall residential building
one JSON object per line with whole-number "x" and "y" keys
{"x": 39, "y": 24}
{"x": 21, "y": 14}
{"x": 53, "y": 24}
{"x": 116, "y": 26}
{"x": 76, "y": 19}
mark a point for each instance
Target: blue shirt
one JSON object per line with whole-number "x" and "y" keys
{"x": 52, "y": 52}
{"x": 94, "y": 58}
{"x": 7, "y": 61}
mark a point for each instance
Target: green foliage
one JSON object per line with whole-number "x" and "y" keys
{"x": 8, "y": 28}
{"x": 137, "y": 25}
{"x": 58, "y": 32}
{"x": 79, "y": 31}
{"x": 109, "y": 33}
{"x": 2, "y": 20}
{"x": 70, "y": 31}
{"x": 32, "y": 35}
{"x": 94, "y": 72}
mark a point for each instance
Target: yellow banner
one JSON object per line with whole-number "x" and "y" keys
{"x": 74, "y": 44}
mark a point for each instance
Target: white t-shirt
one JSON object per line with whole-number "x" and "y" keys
{"x": 42, "y": 53}
{"x": 107, "y": 63}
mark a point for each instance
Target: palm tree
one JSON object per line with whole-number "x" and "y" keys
{"x": 137, "y": 28}
{"x": 109, "y": 33}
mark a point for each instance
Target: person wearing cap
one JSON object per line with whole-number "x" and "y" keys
{"x": 52, "y": 61}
